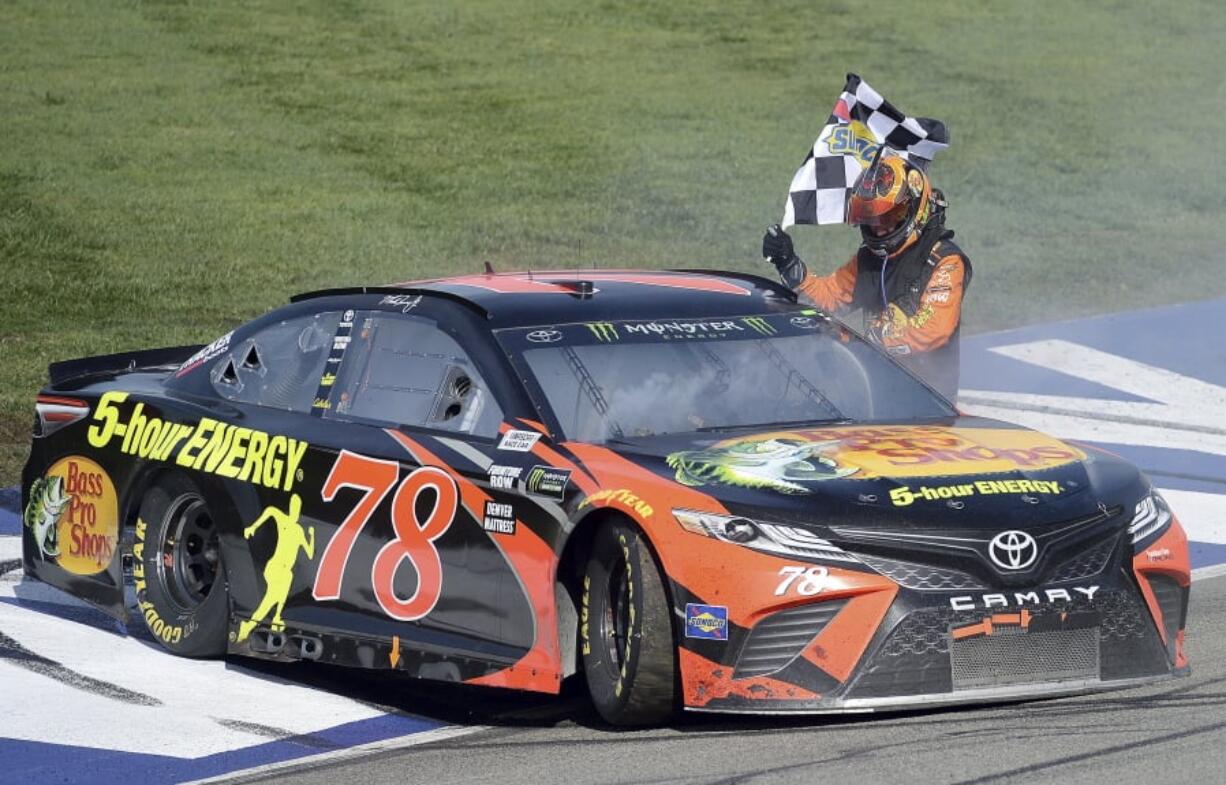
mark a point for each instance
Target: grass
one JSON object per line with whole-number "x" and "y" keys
{"x": 170, "y": 169}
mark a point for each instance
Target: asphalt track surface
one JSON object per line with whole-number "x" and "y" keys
{"x": 1173, "y": 732}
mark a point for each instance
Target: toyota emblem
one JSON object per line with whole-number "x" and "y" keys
{"x": 1013, "y": 550}
{"x": 544, "y": 336}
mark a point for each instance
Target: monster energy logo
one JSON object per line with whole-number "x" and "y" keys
{"x": 605, "y": 332}
{"x": 759, "y": 324}
{"x": 547, "y": 481}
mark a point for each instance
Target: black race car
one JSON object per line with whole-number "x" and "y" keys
{"x": 686, "y": 485}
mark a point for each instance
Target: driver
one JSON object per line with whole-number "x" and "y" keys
{"x": 907, "y": 277}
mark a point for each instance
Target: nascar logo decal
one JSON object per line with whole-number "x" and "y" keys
{"x": 706, "y": 621}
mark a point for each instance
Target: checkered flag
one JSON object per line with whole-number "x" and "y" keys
{"x": 861, "y": 121}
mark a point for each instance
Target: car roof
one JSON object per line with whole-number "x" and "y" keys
{"x": 565, "y": 296}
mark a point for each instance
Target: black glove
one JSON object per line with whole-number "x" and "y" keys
{"x": 778, "y": 250}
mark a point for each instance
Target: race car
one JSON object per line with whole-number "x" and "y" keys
{"x": 688, "y": 486}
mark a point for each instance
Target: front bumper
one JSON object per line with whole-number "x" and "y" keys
{"x": 1110, "y": 622}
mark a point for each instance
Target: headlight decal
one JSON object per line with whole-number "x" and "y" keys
{"x": 1152, "y": 515}
{"x": 774, "y": 538}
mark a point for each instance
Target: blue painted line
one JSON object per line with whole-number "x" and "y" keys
{"x": 986, "y": 370}
{"x": 1173, "y": 337}
{"x": 1182, "y": 470}
{"x": 10, "y": 523}
{"x": 1179, "y": 338}
{"x": 1206, "y": 554}
{"x": 27, "y": 761}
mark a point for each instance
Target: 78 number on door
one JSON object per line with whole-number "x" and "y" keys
{"x": 414, "y": 540}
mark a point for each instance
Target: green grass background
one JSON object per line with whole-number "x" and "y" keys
{"x": 169, "y": 169}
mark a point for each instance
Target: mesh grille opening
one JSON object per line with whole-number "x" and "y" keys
{"x": 1026, "y": 658}
{"x": 921, "y": 577}
{"x": 1171, "y": 601}
{"x": 916, "y": 657}
{"x": 1086, "y": 564}
{"x": 777, "y": 640}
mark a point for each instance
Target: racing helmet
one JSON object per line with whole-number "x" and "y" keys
{"x": 890, "y": 202}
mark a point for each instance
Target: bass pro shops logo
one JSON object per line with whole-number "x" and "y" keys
{"x": 1013, "y": 550}
{"x": 73, "y": 516}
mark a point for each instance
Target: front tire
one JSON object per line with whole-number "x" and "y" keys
{"x": 626, "y": 630}
{"x": 180, "y": 581}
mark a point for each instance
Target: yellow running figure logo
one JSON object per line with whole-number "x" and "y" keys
{"x": 279, "y": 571}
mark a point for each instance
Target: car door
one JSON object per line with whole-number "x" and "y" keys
{"x": 389, "y": 525}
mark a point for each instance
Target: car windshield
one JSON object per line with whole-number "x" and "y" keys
{"x": 624, "y": 379}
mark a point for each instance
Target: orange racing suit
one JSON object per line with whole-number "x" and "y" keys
{"x": 911, "y": 301}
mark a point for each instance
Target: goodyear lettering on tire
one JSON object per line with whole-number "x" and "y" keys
{"x": 168, "y": 633}
{"x": 584, "y": 613}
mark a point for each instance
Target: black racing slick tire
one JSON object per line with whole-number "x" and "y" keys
{"x": 177, "y": 571}
{"x": 626, "y": 630}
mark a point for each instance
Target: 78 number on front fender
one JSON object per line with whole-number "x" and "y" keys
{"x": 414, "y": 540}
{"x": 805, "y": 581}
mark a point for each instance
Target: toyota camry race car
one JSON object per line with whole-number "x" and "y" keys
{"x": 688, "y": 486}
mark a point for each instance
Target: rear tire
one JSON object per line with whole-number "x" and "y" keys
{"x": 180, "y": 581}
{"x": 626, "y": 630}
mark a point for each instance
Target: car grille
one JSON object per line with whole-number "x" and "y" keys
{"x": 780, "y": 638}
{"x": 1172, "y": 601}
{"x": 1090, "y": 562}
{"x": 922, "y": 577}
{"x": 916, "y": 656}
{"x": 1005, "y": 658}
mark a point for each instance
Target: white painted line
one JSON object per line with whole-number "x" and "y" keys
{"x": 10, "y": 548}
{"x": 1181, "y": 412}
{"x": 1187, "y": 400}
{"x": 1085, "y": 429}
{"x": 1212, "y": 571}
{"x": 195, "y": 695}
{"x": 1203, "y": 515}
{"x": 360, "y": 751}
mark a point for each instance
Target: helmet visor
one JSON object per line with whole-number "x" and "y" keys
{"x": 880, "y": 215}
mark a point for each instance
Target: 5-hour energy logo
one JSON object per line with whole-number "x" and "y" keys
{"x": 210, "y": 446}
{"x": 901, "y": 497}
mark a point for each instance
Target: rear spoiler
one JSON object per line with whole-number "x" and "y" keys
{"x": 119, "y": 363}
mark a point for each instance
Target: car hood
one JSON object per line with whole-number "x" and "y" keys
{"x": 965, "y": 473}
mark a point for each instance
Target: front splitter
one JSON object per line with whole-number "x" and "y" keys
{"x": 986, "y": 695}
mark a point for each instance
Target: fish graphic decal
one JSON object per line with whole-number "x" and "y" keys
{"x": 779, "y": 464}
{"x": 42, "y": 516}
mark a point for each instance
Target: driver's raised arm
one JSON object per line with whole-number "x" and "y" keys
{"x": 832, "y": 293}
